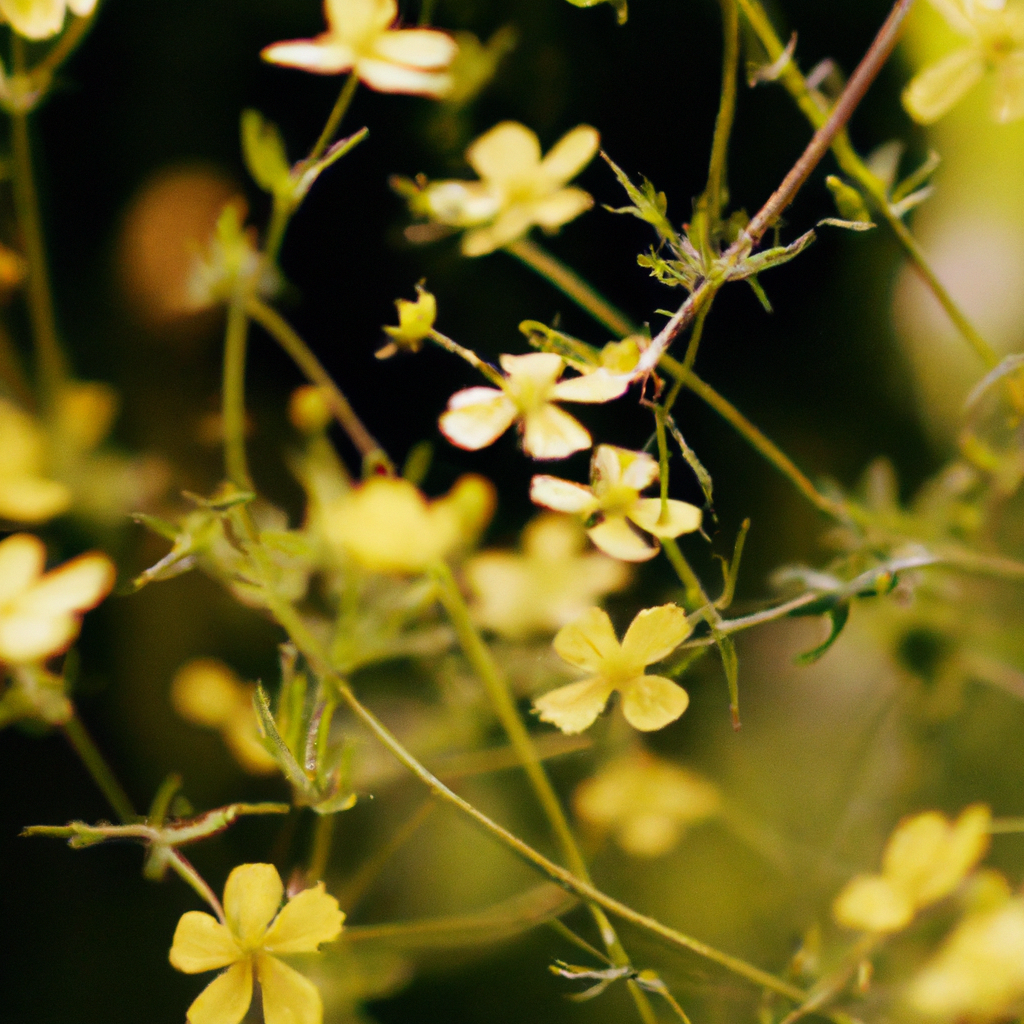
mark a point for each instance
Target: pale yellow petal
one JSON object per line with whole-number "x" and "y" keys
{"x": 226, "y": 999}
{"x": 575, "y": 707}
{"x": 477, "y": 417}
{"x": 652, "y": 702}
{"x": 511, "y": 224}
{"x": 34, "y": 19}
{"x": 536, "y": 371}
{"x": 27, "y": 499}
{"x": 872, "y": 903}
{"x": 22, "y": 557}
{"x": 1008, "y": 94}
{"x": 617, "y": 538}
{"x": 30, "y": 638}
{"x": 551, "y": 433}
{"x": 207, "y": 692}
{"x": 323, "y": 56}
{"x": 288, "y": 997}
{"x": 507, "y": 151}
{"x": 202, "y": 943}
{"x": 460, "y": 203}
{"x": 599, "y": 386}
{"x": 915, "y": 848}
{"x": 639, "y": 470}
{"x": 565, "y": 205}
{"x": 562, "y": 495}
{"x": 573, "y": 151}
{"x": 242, "y": 736}
{"x": 553, "y": 538}
{"x": 966, "y": 843}
{"x": 655, "y": 633}
{"x": 940, "y": 86}
{"x": 589, "y": 641}
{"x": 306, "y": 920}
{"x": 82, "y": 8}
{"x": 357, "y": 20}
{"x": 421, "y": 48}
{"x": 251, "y": 897}
{"x": 76, "y": 586}
{"x": 648, "y": 835}
{"x": 682, "y": 517}
{"x": 955, "y": 14}
{"x": 385, "y": 76}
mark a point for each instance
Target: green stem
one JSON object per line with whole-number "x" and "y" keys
{"x": 695, "y": 596}
{"x": 323, "y": 838}
{"x": 716, "y": 189}
{"x": 183, "y": 868}
{"x": 233, "y": 394}
{"x": 494, "y": 682}
{"x": 102, "y": 774}
{"x": 858, "y": 170}
{"x": 64, "y": 47}
{"x": 302, "y": 355}
{"x": 450, "y": 345}
{"x": 49, "y": 357}
{"x": 569, "y": 283}
{"x": 341, "y": 105}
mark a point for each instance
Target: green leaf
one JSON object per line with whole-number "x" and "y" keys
{"x": 771, "y": 258}
{"x": 621, "y": 11}
{"x": 649, "y": 205}
{"x": 276, "y": 744}
{"x": 265, "y": 155}
{"x": 702, "y": 475}
{"x": 838, "y": 615}
{"x": 849, "y": 202}
{"x": 731, "y": 666}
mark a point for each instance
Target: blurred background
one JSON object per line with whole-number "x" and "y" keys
{"x": 137, "y": 150}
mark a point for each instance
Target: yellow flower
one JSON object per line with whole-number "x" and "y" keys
{"x": 926, "y": 858}
{"x": 978, "y": 974}
{"x": 613, "y": 500}
{"x": 40, "y": 19}
{"x": 547, "y": 586}
{"x": 517, "y": 189}
{"x": 994, "y": 30}
{"x": 648, "y": 803}
{"x": 245, "y": 944}
{"x": 40, "y": 615}
{"x": 206, "y": 692}
{"x": 27, "y": 495}
{"x": 477, "y": 417}
{"x": 387, "y": 525}
{"x": 415, "y": 322}
{"x": 360, "y": 38}
{"x": 589, "y": 643}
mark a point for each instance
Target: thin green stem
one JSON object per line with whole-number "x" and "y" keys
{"x": 304, "y": 358}
{"x": 50, "y": 364}
{"x": 569, "y": 283}
{"x": 95, "y": 763}
{"x": 696, "y": 599}
{"x": 850, "y": 162}
{"x": 340, "y": 109}
{"x": 183, "y": 868}
{"x": 320, "y": 854}
{"x": 716, "y": 193}
{"x": 233, "y": 394}
{"x": 64, "y": 47}
{"x": 500, "y": 695}
{"x": 450, "y": 345}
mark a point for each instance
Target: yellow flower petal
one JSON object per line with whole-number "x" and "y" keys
{"x": 575, "y": 707}
{"x": 872, "y": 903}
{"x": 565, "y": 205}
{"x": 505, "y": 152}
{"x": 589, "y": 641}
{"x": 22, "y": 557}
{"x": 242, "y": 736}
{"x": 573, "y": 151}
{"x": 34, "y": 19}
{"x": 536, "y": 370}
{"x": 599, "y": 386}
{"x": 31, "y": 638}
{"x": 202, "y": 943}
{"x": 510, "y": 224}
{"x": 939, "y": 87}
{"x": 965, "y": 843}
{"x": 359, "y": 19}
{"x": 477, "y": 417}
{"x": 384, "y": 76}
{"x": 652, "y": 702}
{"x": 28, "y": 499}
{"x": 326, "y": 57}
{"x": 421, "y": 48}
{"x": 82, "y": 8}
{"x": 648, "y": 835}
{"x": 207, "y": 692}
{"x": 76, "y": 586}
{"x": 226, "y": 999}
{"x": 617, "y": 538}
{"x": 1008, "y": 95}
{"x": 551, "y": 433}
{"x": 252, "y": 896}
{"x": 682, "y": 517}
{"x": 654, "y": 634}
{"x": 288, "y": 997}
{"x": 562, "y": 495}
{"x": 306, "y": 920}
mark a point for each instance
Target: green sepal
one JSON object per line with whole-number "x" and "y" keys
{"x": 838, "y": 614}
{"x": 649, "y": 205}
{"x": 849, "y": 202}
{"x": 264, "y": 153}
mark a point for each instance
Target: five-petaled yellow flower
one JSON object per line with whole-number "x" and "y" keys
{"x": 618, "y": 519}
{"x": 994, "y": 30}
{"x": 926, "y": 858}
{"x": 360, "y": 38}
{"x": 40, "y": 615}
{"x": 246, "y": 944}
{"x": 517, "y": 188}
{"x": 40, "y": 19}
{"x": 589, "y": 643}
{"x": 477, "y": 417}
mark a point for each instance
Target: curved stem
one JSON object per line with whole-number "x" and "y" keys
{"x": 449, "y": 345}
{"x": 716, "y": 189}
{"x": 340, "y": 109}
{"x": 102, "y": 774}
{"x": 233, "y": 395}
{"x": 569, "y": 283}
{"x": 183, "y": 868}
{"x": 65, "y": 46}
{"x": 303, "y": 356}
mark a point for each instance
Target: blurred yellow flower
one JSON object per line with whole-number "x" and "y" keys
{"x": 648, "y": 702}
{"x": 613, "y": 499}
{"x": 41, "y": 614}
{"x": 994, "y": 30}
{"x": 387, "y": 525}
{"x": 360, "y": 37}
{"x": 207, "y": 692}
{"x": 245, "y": 944}
{"x": 517, "y": 188}
{"x": 646, "y": 802}
{"x": 547, "y": 586}
{"x": 978, "y": 974}
{"x": 40, "y": 19}
{"x": 477, "y": 417}
{"x": 27, "y": 495}
{"x": 925, "y": 859}
{"x": 415, "y": 322}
